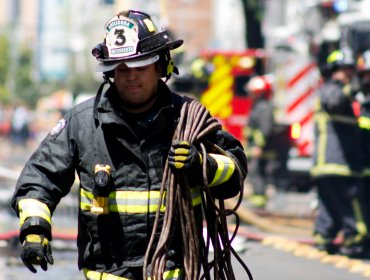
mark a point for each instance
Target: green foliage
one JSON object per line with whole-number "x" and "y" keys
{"x": 4, "y": 62}
{"x": 25, "y": 88}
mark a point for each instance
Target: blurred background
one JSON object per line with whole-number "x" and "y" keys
{"x": 46, "y": 67}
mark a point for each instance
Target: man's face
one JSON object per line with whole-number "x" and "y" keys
{"x": 137, "y": 86}
{"x": 344, "y": 74}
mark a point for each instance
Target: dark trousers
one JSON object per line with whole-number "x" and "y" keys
{"x": 339, "y": 209}
{"x": 365, "y": 200}
{"x": 263, "y": 172}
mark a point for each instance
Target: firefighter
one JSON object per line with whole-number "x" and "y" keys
{"x": 337, "y": 166}
{"x": 267, "y": 159}
{"x": 363, "y": 70}
{"x": 120, "y": 144}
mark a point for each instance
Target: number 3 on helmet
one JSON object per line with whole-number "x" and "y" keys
{"x": 134, "y": 38}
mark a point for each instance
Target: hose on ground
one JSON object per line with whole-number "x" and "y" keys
{"x": 194, "y": 123}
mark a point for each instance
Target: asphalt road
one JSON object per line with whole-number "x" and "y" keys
{"x": 264, "y": 261}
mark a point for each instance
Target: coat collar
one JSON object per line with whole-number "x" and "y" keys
{"x": 108, "y": 108}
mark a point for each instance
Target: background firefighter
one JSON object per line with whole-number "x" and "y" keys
{"x": 121, "y": 146}
{"x": 267, "y": 143}
{"x": 363, "y": 70}
{"x": 337, "y": 163}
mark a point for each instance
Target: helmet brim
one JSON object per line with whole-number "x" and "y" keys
{"x": 130, "y": 63}
{"x": 138, "y": 60}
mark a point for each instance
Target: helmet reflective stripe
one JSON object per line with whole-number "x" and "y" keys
{"x": 335, "y": 56}
{"x": 31, "y": 207}
{"x": 342, "y": 58}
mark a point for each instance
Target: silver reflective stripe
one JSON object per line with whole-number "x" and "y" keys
{"x": 29, "y": 207}
{"x": 127, "y": 201}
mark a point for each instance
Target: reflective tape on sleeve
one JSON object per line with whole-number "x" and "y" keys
{"x": 364, "y": 122}
{"x": 29, "y": 207}
{"x": 225, "y": 168}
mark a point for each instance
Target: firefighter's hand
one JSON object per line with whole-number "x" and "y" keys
{"x": 36, "y": 250}
{"x": 184, "y": 156}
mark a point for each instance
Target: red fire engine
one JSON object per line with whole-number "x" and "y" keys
{"x": 226, "y": 96}
{"x": 293, "y": 82}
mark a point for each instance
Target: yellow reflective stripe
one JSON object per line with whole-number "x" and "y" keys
{"x": 118, "y": 199}
{"x": 323, "y": 138}
{"x": 366, "y": 172}
{"x": 195, "y": 196}
{"x": 95, "y": 275}
{"x": 269, "y": 155}
{"x": 127, "y": 201}
{"x": 29, "y": 207}
{"x": 364, "y": 122}
{"x": 328, "y": 169}
{"x": 175, "y": 274}
{"x": 258, "y": 138}
{"x": 336, "y": 118}
{"x": 225, "y": 168}
{"x": 360, "y": 225}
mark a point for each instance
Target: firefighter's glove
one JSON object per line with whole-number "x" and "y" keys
{"x": 184, "y": 156}
{"x": 36, "y": 250}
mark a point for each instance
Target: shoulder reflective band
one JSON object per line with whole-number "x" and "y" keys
{"x": 176, "y": 274}
{"x": 225, "y": 168}
{"x": 364, "y": 122}
{"x": 140, "y": 202}
{"x": 29, "y": 207}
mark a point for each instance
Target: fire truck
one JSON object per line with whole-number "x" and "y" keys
{"x": 295, "y": 76}
{"x": 225, "y": 95}
{"x": 293, "y": 81}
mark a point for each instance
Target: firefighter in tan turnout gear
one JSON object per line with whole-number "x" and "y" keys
{"x": 337, "y": 165}
{"x": 139, "y": 172}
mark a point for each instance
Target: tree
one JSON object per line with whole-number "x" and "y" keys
{"x": 4, "y": 69}
{"x": 25, "y": 87}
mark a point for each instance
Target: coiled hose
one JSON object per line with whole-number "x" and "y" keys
{"x": 195, "y": 122}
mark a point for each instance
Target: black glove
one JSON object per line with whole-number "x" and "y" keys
{"x": 184, "y": 156}
{"x": 36, "y": 250}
